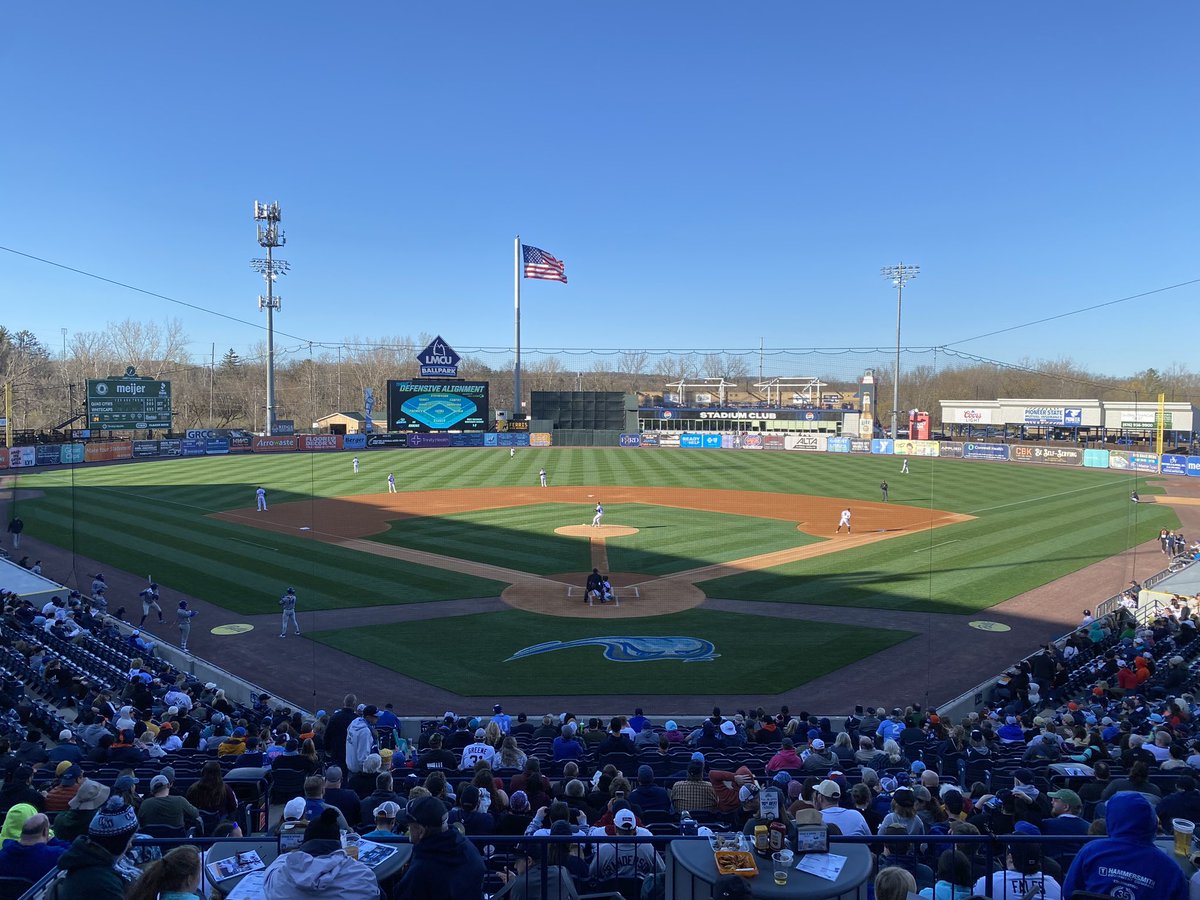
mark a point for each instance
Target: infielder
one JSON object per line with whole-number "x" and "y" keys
{"x": 391, "y": 483}
{"x": 844, "y": 520}
{"x": 261, "y": 494}
{"x": 354, "y": 462}
{"x": 184, "y": 618}
{"x": 542, "y": 476}
{"x": 904, "y": 466}
{"x": 883, "y": 488}
{"x": 150, "y": 601}
{"x": 598, "y": 516}
{"x": 288, "y": 603}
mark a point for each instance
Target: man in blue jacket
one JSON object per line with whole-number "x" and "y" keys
{"x": 445, "y": 865}
{"x": 1126, "y": 863}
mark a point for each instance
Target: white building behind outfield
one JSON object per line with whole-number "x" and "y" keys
{"x": 1097, "y": 419}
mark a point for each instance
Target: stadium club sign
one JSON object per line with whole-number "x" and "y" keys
{"x": 1066, "y": 416}
{"x": 438, "y": 360}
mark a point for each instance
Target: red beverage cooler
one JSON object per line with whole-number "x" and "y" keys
{"x": 919, "y": 428}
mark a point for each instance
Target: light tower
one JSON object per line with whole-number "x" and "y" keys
{"x": 270, "y": 236}
{"x": 899, "y": 276}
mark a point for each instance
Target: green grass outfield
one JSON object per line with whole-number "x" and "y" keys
{"x": 1035, "y": 523}
{"x": 668, "y": 539}
{"x": 756, "y": 653}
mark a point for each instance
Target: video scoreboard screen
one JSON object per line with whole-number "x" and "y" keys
{"x": 437, "y": 405}
{"x": 128, "y": 404}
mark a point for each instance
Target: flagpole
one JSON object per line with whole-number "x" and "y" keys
{"x": 517, "y": 312}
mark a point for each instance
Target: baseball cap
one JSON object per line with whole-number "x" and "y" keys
{"x": 747, "y": 792}
{"x": 671, "y": 726}
{"x": 62, "y": 767}
{"x": 479, "y": 734}
{"x": 371, "y": 710}
{"x": 65, "y": 734}
{"x": 388, "y": 809}
{"x": 1068, "y": 797}
{"x": 817, "y": 744}
{"x": 782, "y": 779}
{"x": 903, "y": 796}
{"x": 625, "y": 819}
{"x": 294, "y": 808}
{"x": 727, "y": 727}
{"x": 210, "y": 685}
{"x": 158, "y": 781}
{"x": 333, "y": 773}
{"x": 71, "y": 775}
{"x": 124, "y": 783}
{"x": 426, "y": 811}
{"x": 917, "y": 767}
{"x": 698, "y": 757}
{"x": 829, "y": 788}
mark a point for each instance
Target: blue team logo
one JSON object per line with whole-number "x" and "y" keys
{"x": 633, "y": 649}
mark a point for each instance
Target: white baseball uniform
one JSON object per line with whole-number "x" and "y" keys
{"x": 844, "y": 520}
{"x": 599, "y": 515}
{"x": 261, "y": 494}
{"x": 391, "y": 483}
{"x": 354, "y": 462}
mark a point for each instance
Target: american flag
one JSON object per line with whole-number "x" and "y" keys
{"x": 540, "y": 264}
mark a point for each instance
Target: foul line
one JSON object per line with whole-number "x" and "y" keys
{"x": 1090, "y": 487}
{"x": 252, "y": 544}
{"x": 934, "y": 547}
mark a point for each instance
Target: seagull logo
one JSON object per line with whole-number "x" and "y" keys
{"x": 633, "y": 649}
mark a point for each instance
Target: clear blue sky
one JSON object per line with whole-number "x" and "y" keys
{"x": 710, "y": 175}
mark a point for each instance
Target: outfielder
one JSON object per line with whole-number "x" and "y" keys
{"x": 150, "y": 601}
{"x": 355, "y": 464}
{"x": 542, "y": 476}
{"x": 904, "y": 466}
{"x": 844, "y": 520}
{"x": 184, "y": 618}
{"x": 288, "y": 604}
{"x": 391, "y": 483}
{"x": 512, "y": 451}
{"x": 261, "y": 494}
{"x": 599, "y": 515}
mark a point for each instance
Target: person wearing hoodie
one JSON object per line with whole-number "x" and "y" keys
{"x": 93, "y": 863}
{"x": 319, "y": 868}
{"x": 818, "y": 758}
{"x": 445, "y": 865}
{"x": 360, "y": 740}
{"x": 786, "y": 758}
{"x": 728, "y": 785}
{"x": 29, "y": 849}
{"x": 1126, "y": 863}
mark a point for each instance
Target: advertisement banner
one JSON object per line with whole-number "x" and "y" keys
{"x": 809, "y": 443}
{"x": 950, "y": 449}
{"x": 539, "y": 439}
{"x": 171, "y": 447}
{"x": 108, "y": 450}
{"x": 368, "y": 408}
{"x": 216, "y": 446}
{"x": 48, "y": 455}
{"x": 668, "y": 439}
{"x": 1095, "y": 459}
{"x": 191, "y": 448}
{"x": 689, "y": 440}
{"x": 70, "y": 453}
{"x": 1193, "y": 466}
{"x": 649, "y": 438}
{"x": 915, "y": 448}
{"x": 985, "y": 451}
{"x": 354, "y": 441}
{"x": 750, "y": 441}
{"x": 425, "y": 440}
{"x": 1039, "y": 453}
{"x": 774, "y": 442}
{"x": 1174, "y": 464}
{"x": 466, "y": 440}
{"x": 860, "y": 445}
{"x": 967, "y": 416}
{"x": 387, "y": 440}
{"x": 491, "y": 439}
{"x": 838, "y": 445}
{"x": 320, "y": 442}
{"x": 240, "y": 443}
{"x": 432, "y": 405}
{"x": 1132, "y": 462}
{"x": 145, "y": 449}
{"x": 275, "y": 444}
{"x": 285, "y": 427}
{"x": 631, "y": 440}
{"x": 22, "y": 457}
{"x": 882, "y": 445}
{"x": 1066, "y": 416}
{"x": 508, "y": 439}
{"x": 1144, "y": 420}
{"x": 712, "y": 442}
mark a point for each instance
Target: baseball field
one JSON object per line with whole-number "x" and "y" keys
{"x": 728, "y": 569}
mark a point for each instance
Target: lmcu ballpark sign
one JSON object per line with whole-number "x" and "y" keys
{"x": 128, "y": 403}
{"x": 439, "y": 360}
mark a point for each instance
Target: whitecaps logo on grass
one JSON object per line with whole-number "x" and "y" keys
{"x": 633, "y": 649}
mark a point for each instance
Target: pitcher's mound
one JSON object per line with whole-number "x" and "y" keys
{"x": 604, "y": 531}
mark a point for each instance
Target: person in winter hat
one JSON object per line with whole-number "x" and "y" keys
{"x": 93, "y": 862}
{"x": 320, "y": 868}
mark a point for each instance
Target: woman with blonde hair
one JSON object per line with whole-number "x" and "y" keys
{"x": 493, "y": 736}
{"x": 894, "y": 883}
{"x": 174, "y": 877}
{"x": 511, "y": 756}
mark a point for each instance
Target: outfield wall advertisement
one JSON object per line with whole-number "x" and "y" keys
{"x": 1055, "y": 456}
{"x": 985, "y": 451}
{"x": 435, "y": 405}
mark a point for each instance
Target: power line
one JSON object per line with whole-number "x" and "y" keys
{"x": 155, "y": 294}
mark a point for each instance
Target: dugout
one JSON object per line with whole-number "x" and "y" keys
{"x": 34, "y": 588}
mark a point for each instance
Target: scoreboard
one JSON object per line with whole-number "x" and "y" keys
{"x": 131, "y": 403}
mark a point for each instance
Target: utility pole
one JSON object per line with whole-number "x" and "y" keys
{"x": 212, "y": 368}
{"x": 270, "y": 236}
{"x": 899, "y": 276}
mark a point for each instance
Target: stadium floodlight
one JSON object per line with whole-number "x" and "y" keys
{"x": 270, "y": 236}
{"x": 899, "y": 276}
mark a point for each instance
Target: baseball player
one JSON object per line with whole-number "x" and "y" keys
{"x": 598, "y": 516}
{"x": 150, "y": 601}
{"x": 184, "y": 618}
{"x": 883, "y": 490}
{"x": 261, "y": 494}
{"x": 354, "y": 462}
{"x": 904, "y": 466}
{"x": 99, "y": 585}
{"x": 391, "y": 483}
{"x": 512, "y": 451}
{"x": 288, "y": 603}
{"x": 542, "y": 476}
{"x": 844, "y": 520}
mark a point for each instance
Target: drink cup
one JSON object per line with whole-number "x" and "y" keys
{"x": 783, "y": 865}
{"x": 352, "y": 846}
{"x": 1184, "y": 829}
